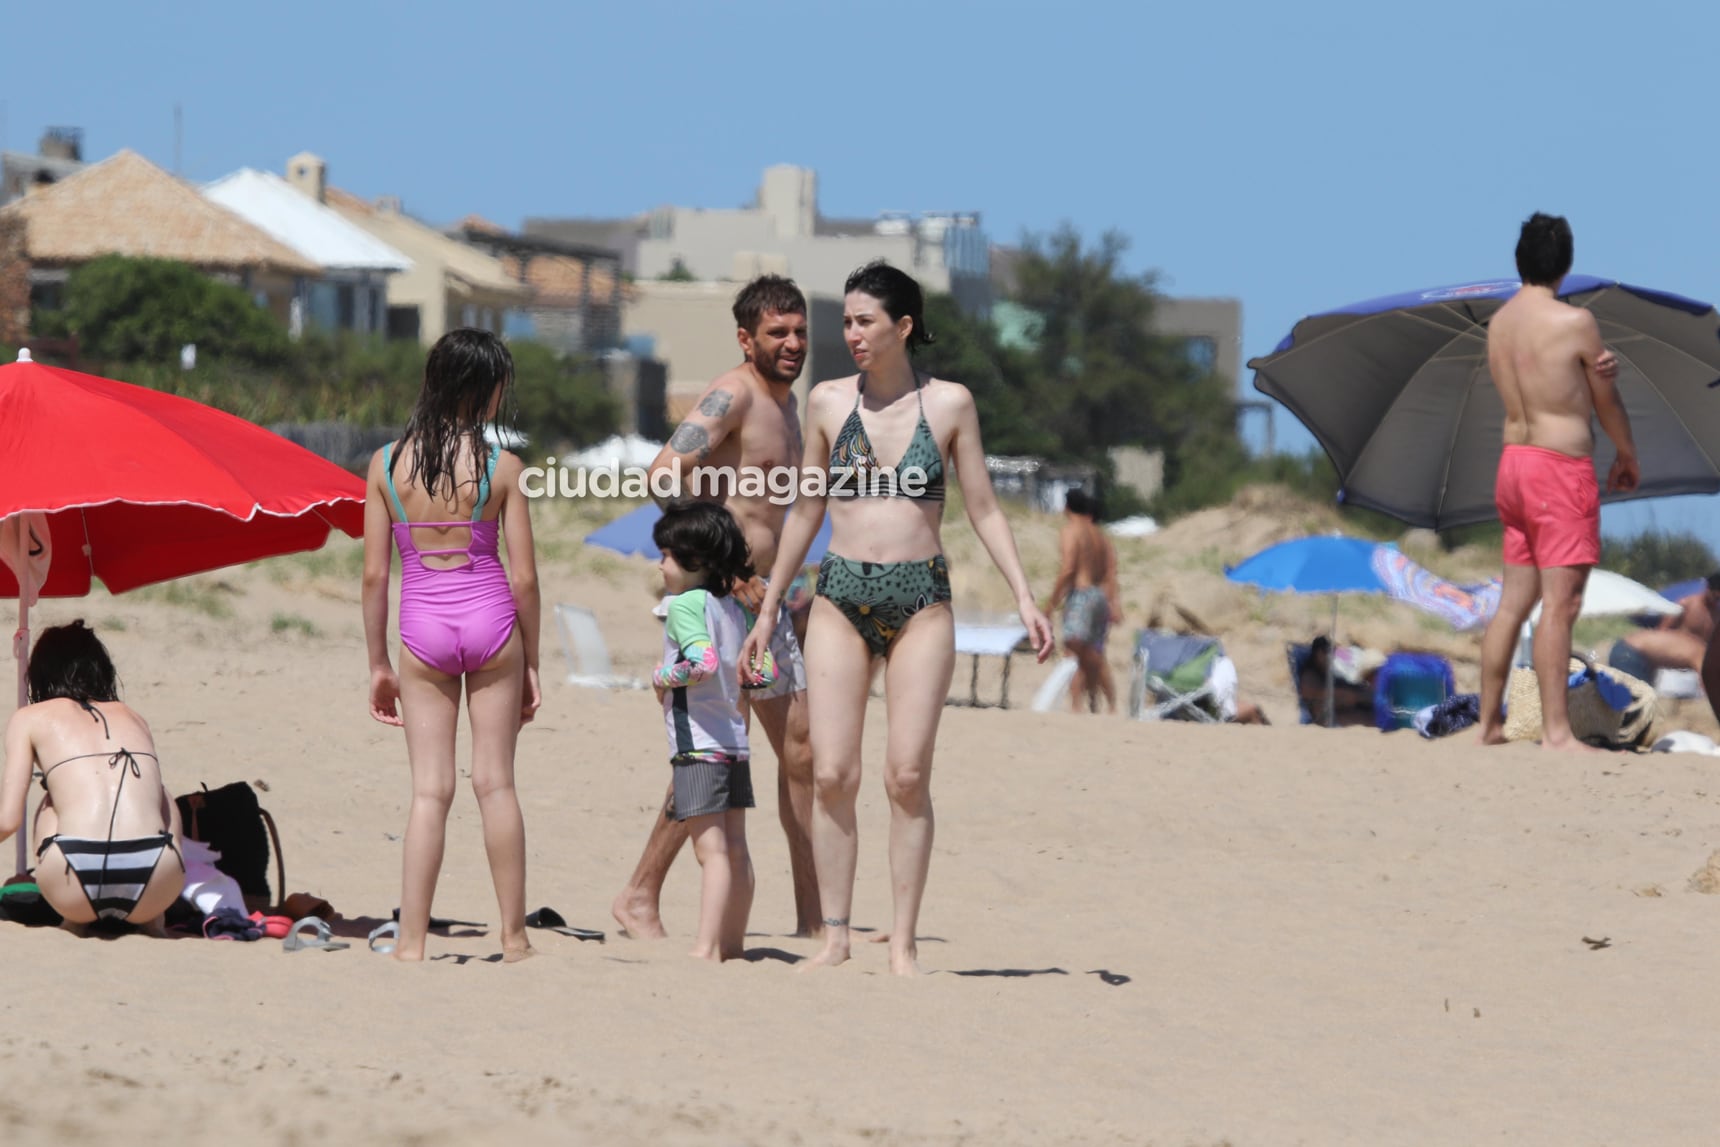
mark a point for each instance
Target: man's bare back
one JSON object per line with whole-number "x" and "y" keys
{"x": 1092, "y": 559}
{"x": 1543, "y": 354}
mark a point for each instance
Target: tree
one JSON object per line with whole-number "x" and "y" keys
{"x": 144, "y": 310}
{"x": 967, "y": 351}
{"x": 562, "y": 398}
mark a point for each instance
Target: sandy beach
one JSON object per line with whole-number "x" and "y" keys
{"x": 1158, "y": 934}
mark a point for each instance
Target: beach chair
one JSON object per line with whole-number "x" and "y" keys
{"x": 1172, "y": 677}
{"x": 978, "y": 641}
{"x": 586, "y": 652}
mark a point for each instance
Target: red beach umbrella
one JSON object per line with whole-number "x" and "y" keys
{"x": 102, "y": 479}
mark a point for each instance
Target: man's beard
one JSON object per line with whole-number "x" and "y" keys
{"x": 774, "y": 371}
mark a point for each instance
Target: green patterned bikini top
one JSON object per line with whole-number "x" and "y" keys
{"x": 855, "y": 471}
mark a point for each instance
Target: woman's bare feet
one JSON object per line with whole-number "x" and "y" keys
{"x": 517, "y": 948}
{"x": 835, "y": 948}
{"x": 637, "y": 915}
{"x": 904, "y": 960}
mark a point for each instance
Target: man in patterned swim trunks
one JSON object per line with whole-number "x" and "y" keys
{"x": 1554, "y": 376}
{"x": 747, "y": 419}
{"x": 1087, "y": 588}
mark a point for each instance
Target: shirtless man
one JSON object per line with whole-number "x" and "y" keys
{"x": 1088, "y": 584}
{"x": 1553, "y": 376}
{"x": 1679, "y": 642}
{"x": 747, "y": 419}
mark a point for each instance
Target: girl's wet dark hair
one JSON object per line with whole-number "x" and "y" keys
{"x": 704, "y": 537}
{"x": 463, "y": 370}
{"x": 898, "y": 293}
{"x": 71, "y": 661}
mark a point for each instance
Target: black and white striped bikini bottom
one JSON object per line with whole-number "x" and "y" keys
{"x": 114, "y": 873}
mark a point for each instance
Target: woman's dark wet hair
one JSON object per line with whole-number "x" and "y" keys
{"x": 704, "y": 538}
{"x": 899, "y": 294}
{"x": 71, "y": 661}
{"x": 463, "y": 370}
{"x": 1544, "y": 250}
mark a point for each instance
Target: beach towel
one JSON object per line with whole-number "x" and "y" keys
{"x": 1464, "y": 607}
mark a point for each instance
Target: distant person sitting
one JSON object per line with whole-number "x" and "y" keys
{"x": 1679, "y": 642}
{"x": 1232, "y": 708}
{"x": 1352, "y": 704}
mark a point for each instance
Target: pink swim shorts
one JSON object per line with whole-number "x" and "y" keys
{"x": 1550, "y": 506}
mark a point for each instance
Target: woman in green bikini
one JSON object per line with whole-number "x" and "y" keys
{"x": 884, "y": 588}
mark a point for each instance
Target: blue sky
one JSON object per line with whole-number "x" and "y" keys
{"x": 1294, "y": 156}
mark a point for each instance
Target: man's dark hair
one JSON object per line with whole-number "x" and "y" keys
{"x": 1321, "y": 644}
{"x": 71, "y": 661}
{"x": 1714, "y": 582}
{"x": 705, "y": 538}
{"x": 1076, "y": 501}
{"x": 1544, "y": 250}
{"x": 765, "y": 294}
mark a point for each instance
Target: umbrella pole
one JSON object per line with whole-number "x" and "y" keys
{"x": 20, "y": 655}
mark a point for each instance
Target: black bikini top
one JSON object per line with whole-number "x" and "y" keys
{"x": 121, "y": 757}
{"x": 855, "y": 471}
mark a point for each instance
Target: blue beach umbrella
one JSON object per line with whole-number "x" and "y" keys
{"x": 1331, "y": 565}
{"x": 1398, "y": 392}
{"x": 631, "y": 534}
{"x": 1313, "y": 565}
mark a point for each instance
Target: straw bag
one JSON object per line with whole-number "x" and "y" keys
{"x": 1592, "y": 719}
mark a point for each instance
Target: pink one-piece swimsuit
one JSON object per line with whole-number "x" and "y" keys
{"x": 454, "y": 619}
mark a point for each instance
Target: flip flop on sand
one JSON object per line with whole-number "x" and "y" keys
{"x": 324, "y": 938}
{"x": 383, "y": 938}
{"x": 438, "y": 922}
{"x": 552, "y": 920}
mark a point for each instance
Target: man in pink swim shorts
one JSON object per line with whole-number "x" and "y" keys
{"x": 1553, "y": 376}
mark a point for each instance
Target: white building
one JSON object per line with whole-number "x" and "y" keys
{"x": 352, "y": 292}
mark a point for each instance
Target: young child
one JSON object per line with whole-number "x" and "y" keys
{"x": 444, "y": 494}
{"x": 699, "y": 683}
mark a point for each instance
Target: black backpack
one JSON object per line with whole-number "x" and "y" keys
{"x": 230, "y": 821}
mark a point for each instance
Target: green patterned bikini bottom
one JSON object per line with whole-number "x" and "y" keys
{"x": 878, "y": 598}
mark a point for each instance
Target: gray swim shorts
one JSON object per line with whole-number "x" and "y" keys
{"x": 703, "y": 787}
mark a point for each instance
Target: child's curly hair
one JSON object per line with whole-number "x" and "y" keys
{"x": 704, "y": 538}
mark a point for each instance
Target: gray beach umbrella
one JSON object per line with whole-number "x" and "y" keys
{"x": 1398, "y": 393}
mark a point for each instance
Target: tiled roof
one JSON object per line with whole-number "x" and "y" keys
{"x": 126, "y": 205}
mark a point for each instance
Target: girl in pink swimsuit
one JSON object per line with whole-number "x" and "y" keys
{"x": 445, "y": 498}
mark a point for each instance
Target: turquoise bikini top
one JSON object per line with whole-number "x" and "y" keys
{"x": 855, "y": 471}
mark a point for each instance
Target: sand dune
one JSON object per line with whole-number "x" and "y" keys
{"x": 1161, "y": 934}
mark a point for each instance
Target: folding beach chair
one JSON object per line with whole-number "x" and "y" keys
{"x": 586, "y": 652}
{"x": 1172, "y": 679}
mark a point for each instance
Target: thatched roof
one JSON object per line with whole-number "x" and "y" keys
{"x": 126, "y": 205}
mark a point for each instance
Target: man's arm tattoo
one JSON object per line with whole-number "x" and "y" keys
{"x": 716, "y": 404}
{"x": 691, "y": 439}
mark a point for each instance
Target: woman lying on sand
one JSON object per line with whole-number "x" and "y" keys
{"x": 107, "y": 833}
